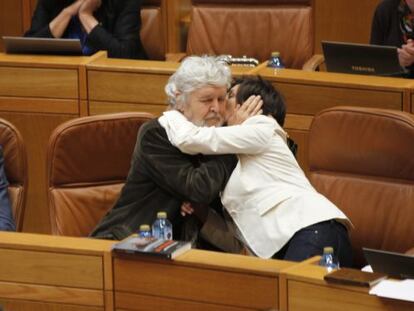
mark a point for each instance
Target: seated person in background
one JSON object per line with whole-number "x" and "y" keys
{"x": 161, "y": 177}
{"x": 111, "y": 25}
{"x": 269, "y": 202}
{"x": 6, "y": 216}
{"x": 392, "y": 25}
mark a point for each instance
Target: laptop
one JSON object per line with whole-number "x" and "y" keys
{"x": 393, "y": 264}
{"x": 362, "y": 59}
{"x": 29, "y": 45}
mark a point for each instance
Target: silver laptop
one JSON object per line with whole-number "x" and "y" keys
{"x": 362, "y": 59}
{"x": 393, "y": 264}
{"x": 29, "y": 45}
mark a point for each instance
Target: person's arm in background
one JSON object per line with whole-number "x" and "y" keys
{"x": 377, "y": 28}
{"x": 6, "y": 216}
{"x": 124, "y": 41}
{"x": 46, "y": 25}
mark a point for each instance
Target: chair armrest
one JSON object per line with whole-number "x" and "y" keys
{"x": 175, "y": 57}
{"x": 314, "y": 62}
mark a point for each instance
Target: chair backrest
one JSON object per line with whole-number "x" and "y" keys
{"x": 15, "y": 164}
{"x": 362, "y": 159}
{"x": 252, "y": 28}
{"x": 153, "y": 28}
{"x": 88, "y": 162}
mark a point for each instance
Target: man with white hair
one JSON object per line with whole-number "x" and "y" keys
{"x": 161, "y": 177}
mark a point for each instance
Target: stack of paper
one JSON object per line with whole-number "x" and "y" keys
{"x": 396, "y": 289}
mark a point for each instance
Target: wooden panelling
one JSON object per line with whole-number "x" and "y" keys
{"x": 11, "y": 19}
{"x": 178, "y": 282}
{"x": 343, "y": 20}
{"x": 309, "y": 99}
{"x": 19, "y": 305}
{"x": 127, "y": 87}
{"x": 51, "y": 269}
{"x": 39, "y": 82}
{"x": 125, "y": 301}
{"x": 53, "y": 294}
{"x": 97, "y": 107}
{"x": 42, "y": 105}
{"x": 311, "y": 297}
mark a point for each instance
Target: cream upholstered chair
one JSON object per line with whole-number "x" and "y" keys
{"x": 88, "y": 162}
{"x": 362, "y": 159}
{"x": 15, "y": 164}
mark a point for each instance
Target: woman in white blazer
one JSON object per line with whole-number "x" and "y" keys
{"x": 273, "y": 208}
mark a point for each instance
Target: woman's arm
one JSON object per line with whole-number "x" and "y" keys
{"x": 251, "y": 137}
{"x": 45, "y": 22}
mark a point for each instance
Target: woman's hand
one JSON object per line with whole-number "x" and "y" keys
{"x": 73, "y": 9}
{"x": 406, "y": 54}
{"x": 251, "y": 107}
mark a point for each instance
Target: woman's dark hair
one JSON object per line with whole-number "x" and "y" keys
{"x": 273, "y": 101}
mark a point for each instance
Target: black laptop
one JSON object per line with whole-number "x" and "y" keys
{"x": 393, "y": 264}
{"x": 29, "y": 45}
{"x": 362, "y": 59}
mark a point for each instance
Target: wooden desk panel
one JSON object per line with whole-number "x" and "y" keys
{"x": 197, "y": 279}
{"x": 39, "y": 82}
{"x": 41, "y": 272}
{"x": 306, "y": 290}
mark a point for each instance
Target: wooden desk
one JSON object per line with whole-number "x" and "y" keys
{"x": 116, "y": 85}
{"x": 307, "y": 93}
{"x": 37, "y": 93}
{"x": 42, "y": 273}
{"x": 197, "y": 280}
{"x": 307, "y": 290}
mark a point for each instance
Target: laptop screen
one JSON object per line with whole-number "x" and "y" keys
{"x": 393, "y": 264}
{"x": 20, "y": 45}
{"x": 362, "y": 59}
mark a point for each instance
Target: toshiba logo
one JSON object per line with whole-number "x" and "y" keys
{"x": 363, "y": 69}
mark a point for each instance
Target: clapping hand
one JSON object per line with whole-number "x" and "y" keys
{"x": 89, "y": 6}
{"x": 73, "y": 9}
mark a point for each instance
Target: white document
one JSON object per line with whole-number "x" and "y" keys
{"x": 396, "y": 289}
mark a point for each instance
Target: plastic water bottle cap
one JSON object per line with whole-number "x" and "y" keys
{"x": 328, "y": 250}
{"x": 144, "y": 228}
{"x": 162, "y": 215}
{"x": 275, "y": 54}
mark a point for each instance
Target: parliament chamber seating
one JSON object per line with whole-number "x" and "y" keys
{"x": 87, "y": 164}
{"x": 153, "y": 28}
{"x": 254, "y": 28}
{"x": 15, "y": 164}
{"x": 362, "y": 159}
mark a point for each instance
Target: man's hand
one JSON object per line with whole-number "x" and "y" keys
{"x": 406, "y": 54}
{"x": 200, "y": 211}
{"x": 251, "y": 107}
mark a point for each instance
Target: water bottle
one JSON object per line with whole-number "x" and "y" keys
{"x": 275, "y": 61}
{"x": 162, "y": 227}
{"x": 145, "y": 231}
{"x": 328, "y": 260}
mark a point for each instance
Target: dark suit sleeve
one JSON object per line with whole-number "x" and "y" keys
{"x": 175, "y": 172}
{"x": 42, "y": 16}
{"x": 6, "y": 217}
{"x": 377, "y": 31}
{"x": 124, "y": 41}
